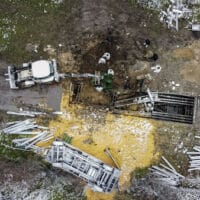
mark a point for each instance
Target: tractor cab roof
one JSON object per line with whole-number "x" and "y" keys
{"x": 41, "y": 69}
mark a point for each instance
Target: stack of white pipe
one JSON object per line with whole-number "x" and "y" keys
{"x": 175, "y": 11}
{"x": 29, "y": 143}
{"x": 26, "y": 127}
{"x": 23, "y": 127}
{"x": 194, "y": 158}
{"x": 20, "y": 126}
{"x": 167, "y": 173}
{"x": 26, "y": 113}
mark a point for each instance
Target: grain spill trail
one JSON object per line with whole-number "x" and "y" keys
{"x": 129, "y": 138}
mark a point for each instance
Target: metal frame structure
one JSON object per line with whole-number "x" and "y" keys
{"x": 173, "y": 107}
{"x": 162, "y": 106}
{"x": 99, "y": 176}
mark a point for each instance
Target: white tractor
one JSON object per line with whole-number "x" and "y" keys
{"x": 45, "y": 71}
{"x": 38, "y": 72}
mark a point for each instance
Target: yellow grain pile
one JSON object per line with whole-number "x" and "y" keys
{"x": 130, "y": 139}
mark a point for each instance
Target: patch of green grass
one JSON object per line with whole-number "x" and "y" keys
{"x": 198, "y": 17}
{"x": 67, "y": 192}
{"x": 66, "y": 138}
{"x": 132, "y": 3}
{"x": 125, "y": 196}
{"x": 140, "y": 172}
{"x": 18, "y": 156}
{"x": 12, "y": 154}
{"x": 39, "y": 22}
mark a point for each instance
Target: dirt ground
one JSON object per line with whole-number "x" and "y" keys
{"x": 77, "y": 33}
{"x": 30, "y": 180}
{"x": 87, "y": 29}
{"x": 180, "y": 71}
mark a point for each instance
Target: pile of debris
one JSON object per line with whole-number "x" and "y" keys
{"x": 99, "y": 176}
{"x": 22, "y": 127}
{"x": 167, "y": 173}
{"x": 28, "y": 127}
{"x": 29, "y": 143}
{"x": 194, "y": 158}
{"x": 175, "y": 11}
{"x": 152, "y": 4}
